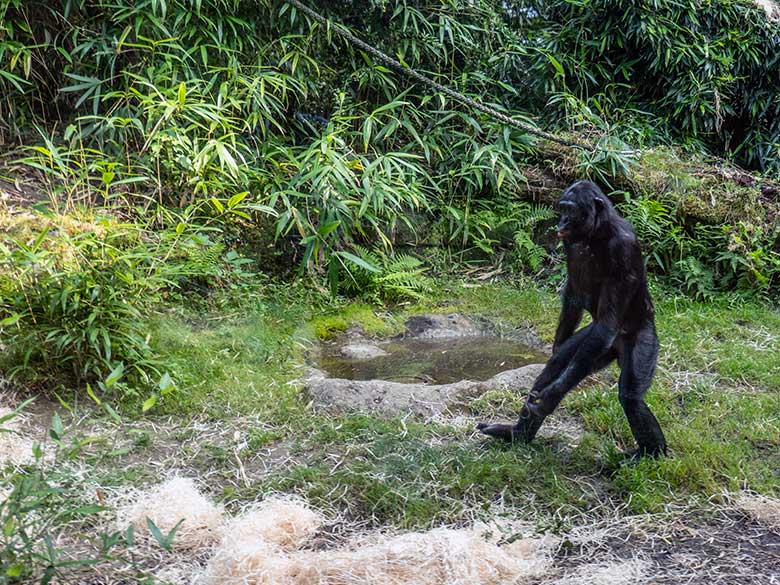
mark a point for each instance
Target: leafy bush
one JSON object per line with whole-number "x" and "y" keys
{"x": 177, "y": 112}
{"x": 76, "y": 305}
{"x": 709, "y": 73}
{"x": 704, "y": 258}
{"x": 175, "y": 103}
{"x": 75, "y": 295}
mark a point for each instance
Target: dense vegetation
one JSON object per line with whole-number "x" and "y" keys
{"x": 191, "y": 190}
{"x": 193, "y": 132}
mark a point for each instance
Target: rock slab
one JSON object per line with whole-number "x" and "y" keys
{"x": 392, "y": 398}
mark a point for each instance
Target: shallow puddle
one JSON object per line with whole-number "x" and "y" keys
{"x": 433, "y": 361}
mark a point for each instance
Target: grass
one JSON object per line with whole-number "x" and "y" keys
{"x": 715, "y": 393}
{"x": 232, "y": 363}
{"x": 412, "y": 475}
{"x": 737, "y": 340}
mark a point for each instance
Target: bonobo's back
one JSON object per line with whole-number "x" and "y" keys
{"x": 627, "y": 263}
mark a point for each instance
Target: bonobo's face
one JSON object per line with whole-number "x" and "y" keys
{"x": 577, "y": 218}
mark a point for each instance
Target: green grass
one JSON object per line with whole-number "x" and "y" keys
{"x": 521, "y": 304}
{"x": 234, "y": 364}
{"x": 715, "y": 393}
{"x": 738, "y": 340}
{"x": 413, "y": 475}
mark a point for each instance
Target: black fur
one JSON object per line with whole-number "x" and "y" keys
{"x": 606, "y": 277}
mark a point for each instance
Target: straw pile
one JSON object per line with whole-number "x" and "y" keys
{"x": 761, "y": 508}
{"x": 176, "y": 500}
{"x": 771, "y": 8}
{"x": 437, "y": 557}
{"x": 286, "y": 522}
{"x": 266, "y": 545}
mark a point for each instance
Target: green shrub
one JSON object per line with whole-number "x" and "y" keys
{"x": 75, "y": 303}
{"x": 379, "y": 275}
{"x": 178, "y": 103}
{"x": 701, "y": 258}
{"x": 709, "y": 72}
{"x": 75, "y": 296}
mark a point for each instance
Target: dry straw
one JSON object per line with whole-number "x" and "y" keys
{"x": 286, "y": 522}
{"x": 266, "y": 545}
{"x": 630, "y": 572}
{"x": 437, "y": 557}
{"x": 761, "y": 508}
{"x": 15, "y": 446}
{"x": 177, "y": 500}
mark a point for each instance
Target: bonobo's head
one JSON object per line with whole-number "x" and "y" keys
{"x": 583, "y": 208}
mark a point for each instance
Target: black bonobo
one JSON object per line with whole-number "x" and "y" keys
{"x": 606, "y": 277}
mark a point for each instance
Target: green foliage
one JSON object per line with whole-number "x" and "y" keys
{"x": 38, "y": 505}
{"x": 379, "y": 275}
{"x": 696, "y": 279}
{"x": 76, "y": 305}
{"x": 162, "y": 103}
{"x": 216, "y": 103}
{"x": 487, "y": 227}
{"x": 330, "y": 324}
{"x": 75, "y": 295}
{"x": 164, "y": 540}
{"x": 701, "y": 258}
{"x": 523, "y": 220}
{"x": 336, "y": 194}
{"x": 708, "y": 72}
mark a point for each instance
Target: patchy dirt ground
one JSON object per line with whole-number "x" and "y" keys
{"x": 726, "y": 546}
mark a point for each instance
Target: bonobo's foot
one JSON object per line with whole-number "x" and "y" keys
{"x": 636, "y": 455}
{"x": 523, "y": 432}
{"x": 536, "y": 408}
{"x": 542, "y": 403}
{"x": 499, "y": 431}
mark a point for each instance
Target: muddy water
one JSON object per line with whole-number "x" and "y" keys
{"x": 435, "y": 361}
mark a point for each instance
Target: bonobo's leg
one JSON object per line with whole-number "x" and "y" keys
{"x": 637, "y": 365}
{"x": 532, "y": 414}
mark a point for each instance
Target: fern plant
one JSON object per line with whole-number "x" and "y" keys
{"x": 380, "y": 275}
{"x": 655, "y": 226}
{"x": 696, "y": 279}
{"x": 525, "y": 218}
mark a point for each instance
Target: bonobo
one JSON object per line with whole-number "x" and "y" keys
{"x": 606, "y": 277}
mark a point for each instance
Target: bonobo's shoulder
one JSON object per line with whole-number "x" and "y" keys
{"x": 623, "y": 246}
{"x": 622, "y": 235}
{"x": 622, "y": 229}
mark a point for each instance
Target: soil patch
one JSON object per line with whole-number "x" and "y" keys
{"x": 725, "y": 549}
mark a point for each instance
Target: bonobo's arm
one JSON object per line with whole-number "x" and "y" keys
{"x": 571, "y": 315}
